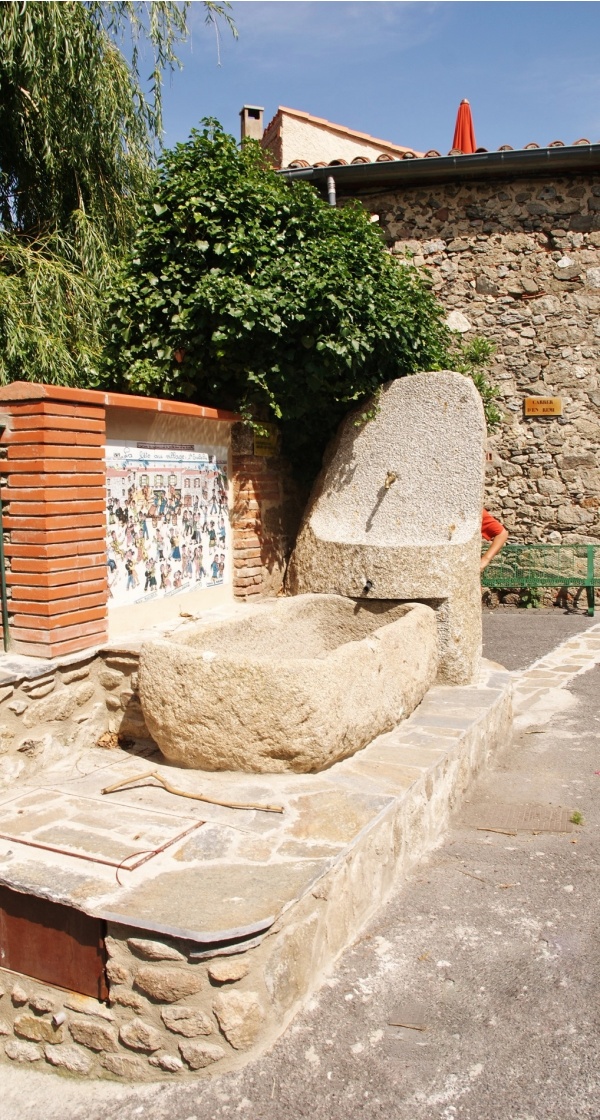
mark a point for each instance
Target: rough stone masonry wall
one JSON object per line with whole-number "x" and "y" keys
{"x": 520, "y": 260}
{"x": 174, "y": 1014}
{"x": 66, "y": 707}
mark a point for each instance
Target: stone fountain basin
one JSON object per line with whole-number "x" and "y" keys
{"x": 296, "y": 685}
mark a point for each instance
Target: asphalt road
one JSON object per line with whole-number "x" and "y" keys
{"x": 515, "y": 637}
{"x": 491, "y": 947}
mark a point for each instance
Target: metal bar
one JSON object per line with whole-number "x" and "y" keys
{"x": 145, "y": 853}
{"x": 590, "y": 584}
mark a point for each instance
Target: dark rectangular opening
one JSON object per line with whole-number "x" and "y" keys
{"x": 53, "y": 943}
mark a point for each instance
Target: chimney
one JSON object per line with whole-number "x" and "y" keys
{"x": 252, "y": 122}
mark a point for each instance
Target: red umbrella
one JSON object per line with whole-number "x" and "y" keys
{"x": 464, "y": 133}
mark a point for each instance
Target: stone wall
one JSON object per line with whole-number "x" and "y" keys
{"x": 66, "y": 706}
{"x": 180, "y": 1008}
{"x": 266, "y": 511}
{"x": 518, "y": 262}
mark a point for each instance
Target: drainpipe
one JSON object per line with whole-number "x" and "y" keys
{"x": 331, "y": 191}
{"x": 3, "y": 589}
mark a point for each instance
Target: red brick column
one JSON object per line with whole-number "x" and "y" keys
{"x": 266, "y": 513}
{"x": 54, "y": 500}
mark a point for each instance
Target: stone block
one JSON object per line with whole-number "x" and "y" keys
{"x": 116, "y": 973}
{"x": 41, "y": 690}
{"x": 84, "y": 693}
{"x": 168, "y": 984}
{"x": 86, "y": 1005}
{"x": 228, "y": 970}
{"x": 110, "y": 679}
{"x": 43, "y": 1005}
{"x": 18, "y": 995}
{"x": 22, "y": 1051}
{"x": 188, "y": 1021}
{"x": 78, "y": 674}
{"x": 124, "y": 997}
{"x": 37, "y": 1030}
{"x": 199, "y": 1055}
{"x": 68, "y": 1057}
{"x": 396, "y": 511}
{"x": 169, "y": 1062}
{"x": 124, "y": 1065}
{"x": 309, "y": 680}
{"x": 240, "y": 1016}
{"x": 59, "y": 706}
{"x": 138, "y": 1035}
{"x": 154, "y": 950}
{"x": 18, "y": 707}
{"x": 94, "y": 1034}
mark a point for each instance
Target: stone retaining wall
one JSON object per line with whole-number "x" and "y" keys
{"x": 71, "y": 704}
{"x": 518, "y": 262}
{"x": 172, "y": 1014}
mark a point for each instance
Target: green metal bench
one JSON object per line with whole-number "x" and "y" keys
{"x": 532, "y": 566}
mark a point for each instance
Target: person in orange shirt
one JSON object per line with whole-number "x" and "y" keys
{"x": 492, "y": 530}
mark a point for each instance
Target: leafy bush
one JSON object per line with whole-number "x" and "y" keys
{"x": 249, "y": 293}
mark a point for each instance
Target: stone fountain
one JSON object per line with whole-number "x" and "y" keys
{"x": 385, "y": 599}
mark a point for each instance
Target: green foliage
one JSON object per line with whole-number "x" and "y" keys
{"x": 279, "y": 304}
{"x": 78, "y": 139}
{"x": 471, "y": 358}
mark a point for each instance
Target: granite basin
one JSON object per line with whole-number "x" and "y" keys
{"x": 296, "y": 685}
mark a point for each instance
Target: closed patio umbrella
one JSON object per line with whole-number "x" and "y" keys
{"x": 464, "y": 133}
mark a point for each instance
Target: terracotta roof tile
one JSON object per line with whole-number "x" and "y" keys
{"x": 432, "y": 153}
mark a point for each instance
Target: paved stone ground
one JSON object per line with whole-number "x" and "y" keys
{"x": 491, "y": 949}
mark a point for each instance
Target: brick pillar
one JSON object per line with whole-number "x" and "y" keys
{"x": 267, "y": 507}
{"x": 54, "y": 500}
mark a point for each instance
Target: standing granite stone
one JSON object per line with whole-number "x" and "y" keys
{"x": 396, "y": 511}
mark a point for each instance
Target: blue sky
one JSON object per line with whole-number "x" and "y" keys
{"x": 399, "y": 70}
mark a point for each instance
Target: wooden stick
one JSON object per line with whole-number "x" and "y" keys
{"x": 409, "y": 1026}
{"x": 502, "y": 831}
{"x": 194, "y": 796}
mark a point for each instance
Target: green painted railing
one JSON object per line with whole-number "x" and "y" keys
{"x": 532, "y": 566}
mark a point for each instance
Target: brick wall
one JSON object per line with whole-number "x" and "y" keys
{"x": 53, "y": 482}
{"x": 54, "y": 521}
{"x": 266, "y": 512}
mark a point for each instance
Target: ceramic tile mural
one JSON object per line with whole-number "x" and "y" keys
{"x": 167, "y": 519}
